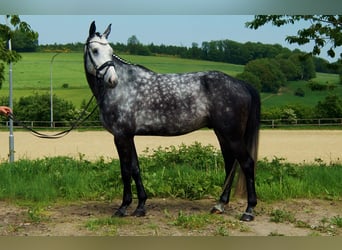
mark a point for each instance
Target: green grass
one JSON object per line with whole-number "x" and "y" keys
{"x": 50, "y": 179}
{"x": 33, "y": 71}
{"x": 286, "y": 95}
{"x": 164, "y": 175}
{"x": 281, "y": 180}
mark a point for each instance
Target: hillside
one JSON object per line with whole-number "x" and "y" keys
{"x": 32, "y": 74}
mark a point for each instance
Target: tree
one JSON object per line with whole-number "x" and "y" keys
{"x": 6, "y": 33}
{"x": 268, "y": 72}
{"x": 136, "y": 48}
{"x": 23, "y": 42}
{"x": 322, "y": 30}
{"x": 289, "y": 68}
{"x": 305, "y": 64}
{"x": 250, "y": 78}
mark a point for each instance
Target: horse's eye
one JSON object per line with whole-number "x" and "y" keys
{"x": 95, "y": 51}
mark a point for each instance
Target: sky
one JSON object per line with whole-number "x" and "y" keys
{"x": 180, "y": 30}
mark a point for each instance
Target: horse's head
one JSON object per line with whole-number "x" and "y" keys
{"x": 98, "y": 56}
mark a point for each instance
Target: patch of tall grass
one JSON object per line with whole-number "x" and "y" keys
{"x": 190, "y": 172}
{"x": 278, "y": 179}
{"x": 50, "y": 179}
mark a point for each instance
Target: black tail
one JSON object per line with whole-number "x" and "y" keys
{"x": 253, "y": 125}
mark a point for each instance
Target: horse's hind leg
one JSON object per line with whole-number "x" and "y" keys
{"x": 235, "y": 148}
{"x": 230, "y": 167}
{"x": 129, "y": 168}
{"x": 247, "y": 165}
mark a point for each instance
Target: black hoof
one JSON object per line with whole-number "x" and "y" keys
{"x": 247, "y": 217}
{"x": 120, "y": 213}
{"x": 139, "y": 212}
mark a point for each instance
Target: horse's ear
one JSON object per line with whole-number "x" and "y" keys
{"x": 107, "y": 31}
{"x": 92, "y": 28}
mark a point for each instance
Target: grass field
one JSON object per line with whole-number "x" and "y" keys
{"x": 32, "y": 74}
{"x": 286, "y": 95}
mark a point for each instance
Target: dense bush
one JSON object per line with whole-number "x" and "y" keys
{"x": 299, "y": 92}
{"x": 330, "y": 107}
{"x": 315, "y": 86}
{"x": 289, "y": 112}
{"x": 37, "y": 108}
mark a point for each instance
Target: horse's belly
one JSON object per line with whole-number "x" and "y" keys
{"x": 170, "y": 125}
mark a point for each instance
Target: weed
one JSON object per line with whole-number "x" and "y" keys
{"x": 222, "y": 231}
{"x": 109, "y": 225}
{"x": 325, "y": 226}
{"x": 302, "y": 224}
{"x": 280, "y": 216}
{"x": 36, "y": 215}
{"x": 207, "y": 221}
{"x": 337, "y": 221}
{"x": 194, "y": 221}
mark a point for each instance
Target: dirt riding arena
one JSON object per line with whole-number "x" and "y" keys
{"x": 295, "y": 146}
{"x": 72, "y": 219}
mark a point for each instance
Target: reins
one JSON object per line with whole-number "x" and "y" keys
{"x": 63, "y": 133}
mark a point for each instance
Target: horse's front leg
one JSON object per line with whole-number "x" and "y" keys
{"x": 129, "y": 168}
{"x": 123, "y": 147}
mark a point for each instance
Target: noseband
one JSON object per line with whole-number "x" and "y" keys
{"x": 101, "y": 67}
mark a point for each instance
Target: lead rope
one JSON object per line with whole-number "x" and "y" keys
{"x": 63, "y": 133}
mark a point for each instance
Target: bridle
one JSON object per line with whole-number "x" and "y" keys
{"x": 98, "y": 69}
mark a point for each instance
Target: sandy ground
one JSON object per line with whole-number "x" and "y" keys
{"x": 294, "y": 145}
{"x": 72, "y": 219}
